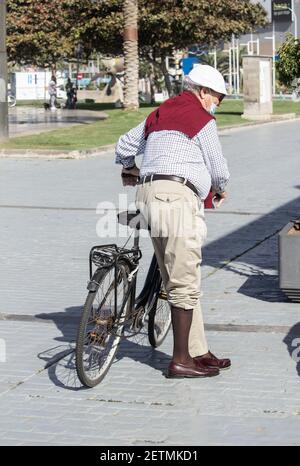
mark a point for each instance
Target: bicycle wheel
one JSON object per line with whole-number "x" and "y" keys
{"x": 159, "y": 315}
{"x": 100, "y": 327}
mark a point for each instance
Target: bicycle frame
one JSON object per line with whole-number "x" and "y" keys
{"x": 112, "y": 272}
{"x": 108, "y": 255}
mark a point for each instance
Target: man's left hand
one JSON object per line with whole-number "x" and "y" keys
{"x": 219, "y": 198}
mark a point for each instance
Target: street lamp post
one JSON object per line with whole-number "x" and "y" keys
{"x": 214, "y": 53}
{"x": 279, "y": 7}
{"x": 3, "y": 74}
{"x": 273, "y": 58}
{"x": 273, "y": 38}
{"x": 295, "y": 19}
{"x": 284, "y": 7}
{"x": 234, "y": 65}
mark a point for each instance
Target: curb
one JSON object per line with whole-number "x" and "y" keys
{"x": 54, "y": 154}
{"x": 87, "y": 153}
{"x": 288, "y": 118}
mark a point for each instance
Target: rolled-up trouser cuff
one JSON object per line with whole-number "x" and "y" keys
{"x": 184, "y": 302}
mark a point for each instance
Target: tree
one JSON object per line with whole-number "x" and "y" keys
{"x": 131, "y": 54}
{"x": 182, "y": 23}
{"x": 288, "y": 65}
{"x": 163, "y": 26}
{"x": 176, "y": 24}
{"x": 38, "y": 32}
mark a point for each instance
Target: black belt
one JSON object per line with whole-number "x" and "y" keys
{"x": 179, "y": 179}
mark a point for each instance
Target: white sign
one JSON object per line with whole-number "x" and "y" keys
{"x": 265, "y": 82}
{"x": 34, "y": 85}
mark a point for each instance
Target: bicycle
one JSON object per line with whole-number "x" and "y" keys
{"x": 111, "y": 311}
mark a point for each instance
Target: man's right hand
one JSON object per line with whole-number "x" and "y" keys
{"x": 130, "y": 176}
{"x": 135, "y": 171}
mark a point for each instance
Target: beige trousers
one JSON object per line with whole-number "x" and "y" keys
{"x": 178, "y": 230}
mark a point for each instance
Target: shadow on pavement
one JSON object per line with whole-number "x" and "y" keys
{"x": 253, "y": 251}
{"x": 60, "y": 360}
{"x": 254, "y": 265}
{"x": 260, "y": 285}
{"x": 292, "y": 341}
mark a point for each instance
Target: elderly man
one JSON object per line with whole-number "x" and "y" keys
{"x": 182, "y": 163}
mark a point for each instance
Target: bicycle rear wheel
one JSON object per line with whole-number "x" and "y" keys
{"x": 159, "y": 315}
{"x": 101, "y": 326}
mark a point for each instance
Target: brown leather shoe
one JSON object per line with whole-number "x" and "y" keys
{"x": 209, "y": 360}
{"x": 176, "y": 371}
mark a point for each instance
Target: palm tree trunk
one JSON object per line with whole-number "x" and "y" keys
{"x": 131, "y": 56}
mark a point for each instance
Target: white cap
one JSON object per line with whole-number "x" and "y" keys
{"x": 207, "y": 76}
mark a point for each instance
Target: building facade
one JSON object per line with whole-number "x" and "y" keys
{"x": 285, "y": 22}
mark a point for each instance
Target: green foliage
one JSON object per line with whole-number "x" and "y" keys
{"x": 181, "y": 23}
{"x": 288, "y": 65}
{"x": 43, "y": 32}
{"x": 176, "y": 24}
{"x": 37, "y": 32}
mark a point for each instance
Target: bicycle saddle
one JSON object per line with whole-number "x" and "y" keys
{"x": 133, "y": 219}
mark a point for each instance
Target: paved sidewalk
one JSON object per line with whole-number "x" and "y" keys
{"x": 48, "y": 224}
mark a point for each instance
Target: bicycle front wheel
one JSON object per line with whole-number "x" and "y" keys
{"x": 101, "y": 325}
{"x": 159, "y": 315}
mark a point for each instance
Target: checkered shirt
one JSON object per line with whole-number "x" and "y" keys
{"x": 199, "y": 160}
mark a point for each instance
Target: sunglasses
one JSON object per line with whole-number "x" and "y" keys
{"x": 219, "y": 97}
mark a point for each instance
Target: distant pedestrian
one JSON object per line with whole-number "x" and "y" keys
{"x": 71, "y": 94}
{"x": 52, "y": 92}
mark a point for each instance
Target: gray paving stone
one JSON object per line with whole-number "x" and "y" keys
{"x": 45, "y": 237}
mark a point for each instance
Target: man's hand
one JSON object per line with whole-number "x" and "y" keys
{"x": 135, "y": 171}
{"x": 130, "y": 176}
{"x": 219, "y": 198}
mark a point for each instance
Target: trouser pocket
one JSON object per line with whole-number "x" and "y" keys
{"x": 167, "y": 214}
